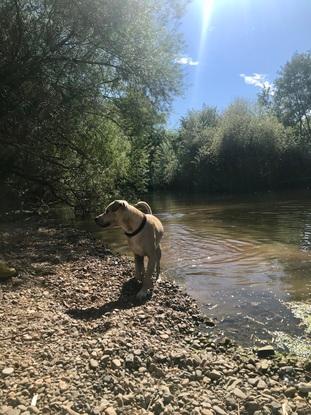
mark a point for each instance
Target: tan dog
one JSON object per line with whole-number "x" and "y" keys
{"x": 143, "y": 232}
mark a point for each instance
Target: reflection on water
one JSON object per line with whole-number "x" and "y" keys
{"x": 239, "y": 257}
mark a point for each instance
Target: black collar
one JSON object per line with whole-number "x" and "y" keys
{"x": 140, "y": 227}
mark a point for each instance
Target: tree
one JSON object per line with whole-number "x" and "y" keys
{"x": 292, "y": 100}
{"x": 79, "y": 80}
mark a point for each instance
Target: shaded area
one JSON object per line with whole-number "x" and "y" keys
{"x": 126, "y": 300}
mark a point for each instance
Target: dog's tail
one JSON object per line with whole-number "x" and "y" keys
{"x": 143, "y": 207}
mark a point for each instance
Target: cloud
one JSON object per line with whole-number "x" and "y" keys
{"x": 186, "y": 60}
{"x": 259, "y": 81}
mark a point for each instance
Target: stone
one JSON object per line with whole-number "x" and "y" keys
{"x": 110, "y": 411}
{"x": 253, "y": 381}
{"x": 6, "y": 271}
{"x": 94, "y": 363}
{"x": 261, "y": 384}
{"x": 156, "y": 371}
{"x": 252, "y": 406}
{"x": 158, "y": 407}
{"x": 63, "y": 386}
{"x": 275, "y": 407}
{"x": 219, "y": 410}
{"x": 239, "y": 394}
{"x": 7, "y": 371}
{"x": 214, "y": 374}
{"x": 12, "y": 411}
{"x": 290, "y": 392}
{"x": 304, "y": 387}
{"x": 266, "y": 351}
{"x": 116, "y": 363}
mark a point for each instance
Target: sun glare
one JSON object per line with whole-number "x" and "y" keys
{"x": 207, "y": 8}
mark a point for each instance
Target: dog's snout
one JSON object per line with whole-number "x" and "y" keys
{"x": 96, "y": 219}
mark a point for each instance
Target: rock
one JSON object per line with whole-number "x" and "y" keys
{"x": 12, "y": 411}
{"x": 116, "y": 363}
{"x": 156, "y": 371}
{"x": 261, "y": 384}
{"x": 287, "y": 370}
{"x": 7, "y": 371}
{"x": 129, "y": 360}
{"x": 69, "y": 411}
{"x": 304, "y": 387}
{"x": 252, "y": 406}
{"x": 6, "y": 271}
{"x": 275, "y": 407}
{"x": 94, "y": 364}
{"x": 158, "y": 407}
{"x": 63, "y": 386}
{"x": 213, "y": 375}
{"x": 239, "y": 394}
{"x": 253, "y": 381}
{"x": 219, "y": 410}
{"x": 198, "y": 374}
{"x": 110, "y": 411}
{"x": 265, "y": 351}
{"x": 290, "y": 392}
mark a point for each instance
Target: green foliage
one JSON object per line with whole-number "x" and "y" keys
{"x": 292, "y": 100}
{"x": 165, "y": 164}
{"x": 83, "y": 86}
{"x": 242, "y": 150}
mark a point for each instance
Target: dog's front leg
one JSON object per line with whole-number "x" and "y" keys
{"x": 147, "y": 281}
{"x": 139, "y": 268}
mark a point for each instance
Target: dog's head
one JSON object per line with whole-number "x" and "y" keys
{"x": 112, "y": 214}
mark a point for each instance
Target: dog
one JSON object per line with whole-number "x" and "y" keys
{"x": 144, "y": 232}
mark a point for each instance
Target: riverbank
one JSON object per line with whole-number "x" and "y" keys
{"x": 74, "y": 341}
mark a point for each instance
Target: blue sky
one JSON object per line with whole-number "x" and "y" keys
{"x": 234, "y": 46}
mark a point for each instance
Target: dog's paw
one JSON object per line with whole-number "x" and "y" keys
{"x": 142, "y": 295}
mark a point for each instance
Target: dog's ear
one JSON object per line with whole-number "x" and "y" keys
{"x": 117, "y": 204}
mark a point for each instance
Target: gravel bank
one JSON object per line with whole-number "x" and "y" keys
{"x": 74, "y": 341}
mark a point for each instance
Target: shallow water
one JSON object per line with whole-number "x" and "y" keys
{"x": 241, "y": 258}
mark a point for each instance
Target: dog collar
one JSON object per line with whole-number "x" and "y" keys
{"x": 131, "y": 234}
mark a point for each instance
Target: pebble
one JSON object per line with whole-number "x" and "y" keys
{"x": 304, "y": 387}
{"x": 261, "y": 384}
{"x": 147, "y": 359}
{"x": 116, "y": 363}
{"x": 110, "y": 411}
{"x": 290, "y": 392}
{"x": 94, "y": 364}
{"x": 265, "y": 351}
{"x": 239, "y": 394}
{"x": 7, "y": 371}
{"x": 219, "y": 410}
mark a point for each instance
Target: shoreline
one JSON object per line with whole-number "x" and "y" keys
{"x": 74, "y": 341}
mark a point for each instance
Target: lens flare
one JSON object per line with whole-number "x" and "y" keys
{"x": 206, "y": 10}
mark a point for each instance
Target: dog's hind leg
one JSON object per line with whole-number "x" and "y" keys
{"x": 158, "y": 255}
{"x": 147, "y": 281}
{"x": 139, "y": 268}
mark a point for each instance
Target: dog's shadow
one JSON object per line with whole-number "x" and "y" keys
{"x": 126, "y": 300}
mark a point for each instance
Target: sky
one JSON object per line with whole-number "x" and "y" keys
{"x": 234, "y": 47}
